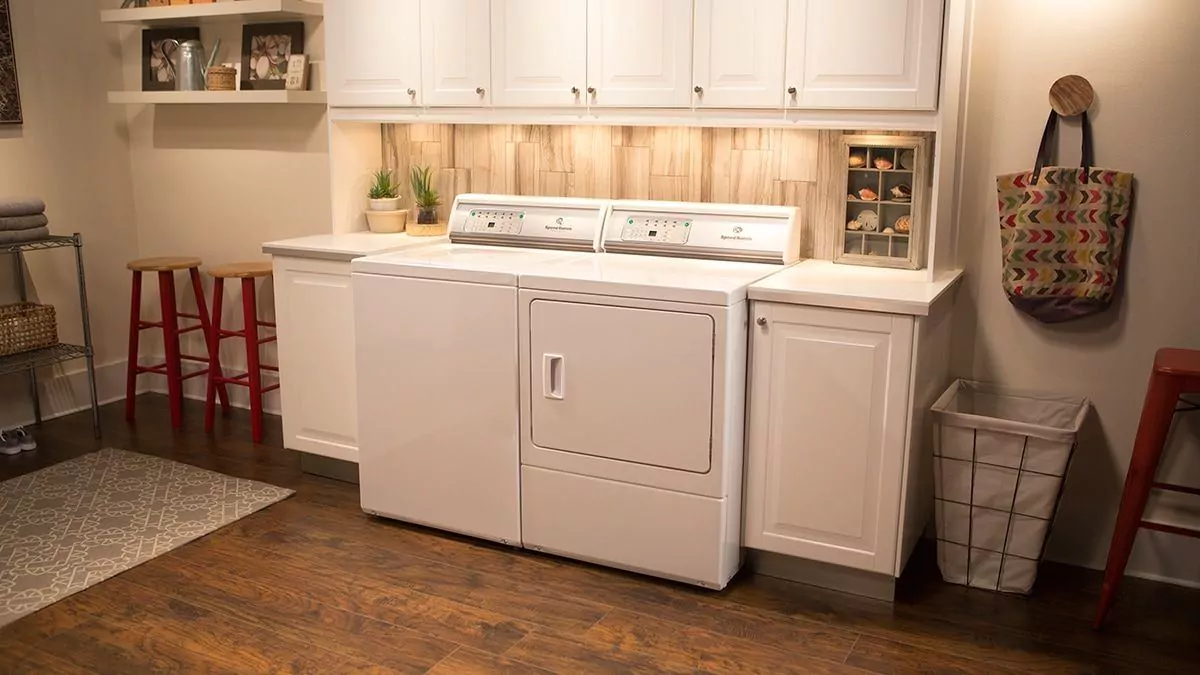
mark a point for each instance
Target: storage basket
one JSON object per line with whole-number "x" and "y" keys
{"x": 26, "y": 326}
{"x": 1000, "y": 457}
{"x": 221, "y": 78}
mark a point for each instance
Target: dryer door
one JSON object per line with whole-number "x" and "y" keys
{"x": 624, "y": 383}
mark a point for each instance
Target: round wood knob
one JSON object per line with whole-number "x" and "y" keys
{"x": 1071, "y": 95}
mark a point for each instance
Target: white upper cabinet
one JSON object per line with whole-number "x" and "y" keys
{"x": 456, "y": 56}
{"x": 639, "y": 52}
{"x": 374, "y": 54}
{"x": 539, "y": 52}
{"x": 739, "y": 53}
{"x": 863, "y": 54}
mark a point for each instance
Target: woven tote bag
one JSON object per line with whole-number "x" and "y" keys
{"x": 1062, "y": 232}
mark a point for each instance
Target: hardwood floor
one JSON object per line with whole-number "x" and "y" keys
{"x": 314, "y": 585}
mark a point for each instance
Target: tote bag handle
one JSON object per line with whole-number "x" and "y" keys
{"x": 1045, "y": 154}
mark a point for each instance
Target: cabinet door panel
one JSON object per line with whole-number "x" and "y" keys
{"x": 640, "y": 52}
{"x": 456, "y": 54}
{"x": 828, "y": 416}
{"x": 864, "y": 53}
{"x": 315, "y": 316}
{"x": 739, "y": 52}
{"x": 539, "y": 52}
{"x": 374, "y": 57}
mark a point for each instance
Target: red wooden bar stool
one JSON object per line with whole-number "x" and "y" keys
{"x": 252, "y": 378}
{"x": 1176, "y": 372}
{"x": 172, "y": 366}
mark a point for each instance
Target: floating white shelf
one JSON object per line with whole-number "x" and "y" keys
{"x": 171, "y": 97}
{"x": 222, "y": 10}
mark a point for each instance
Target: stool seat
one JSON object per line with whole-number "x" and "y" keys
{"x": 242, "y": 270}
{"x": 163, "y": 264}
{"x": 1184, "y": 362}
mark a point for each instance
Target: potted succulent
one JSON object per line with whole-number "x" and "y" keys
{"x": 383, "y": 204}
{"x": 426, "y": 199}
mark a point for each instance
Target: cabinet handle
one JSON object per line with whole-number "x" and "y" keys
{"x": 592, "y": 91}
{"x": 412, "y": 92}
{"x": 698, "y": 89}
{"x": 762, "y": 321}
{"x": 480, "y": 90}
{"x": 792, "y": 91}
{"x": 575, "y": 90}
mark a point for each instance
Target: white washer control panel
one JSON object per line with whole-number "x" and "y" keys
{"x": 494, "y": 221}
{"x": 667, "y": 230}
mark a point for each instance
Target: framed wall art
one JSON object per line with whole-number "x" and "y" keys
{"x": 159, "y": 56}
{"x": 266, "y": 48}
{"x": 10, "y": 90}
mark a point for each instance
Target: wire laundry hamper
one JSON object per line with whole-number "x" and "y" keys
{"x": 1000, "y": 459}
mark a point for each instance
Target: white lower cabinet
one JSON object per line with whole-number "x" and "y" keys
{"x": 828, "y": 428}
{"x": 314, "y": 310}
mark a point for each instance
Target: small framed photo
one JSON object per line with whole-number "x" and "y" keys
{"x": 266, "y": 48}
{"x": 160, "y": 55}
{"x": 297, "y": 72}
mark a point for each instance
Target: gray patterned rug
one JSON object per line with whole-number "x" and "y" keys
{"x": 75, "y": 524}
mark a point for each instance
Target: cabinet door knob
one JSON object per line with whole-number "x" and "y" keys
{"x": 480, "y": 90}
{"x": 412, "y": 92}
{"x": 792, "y": 91}
{"x": 698, "y": 89}
{"x": 591, "y": 90}
{"x": 762, "y": 321}
{"x": 575, "y": 90}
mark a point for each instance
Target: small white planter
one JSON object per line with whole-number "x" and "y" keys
{"x": 387, "y": 222}
{"x": 384, "y": 204}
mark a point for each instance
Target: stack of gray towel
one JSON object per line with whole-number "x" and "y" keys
{"x": 23, "y": 220}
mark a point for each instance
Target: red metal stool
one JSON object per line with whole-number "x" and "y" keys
{"x": 252, "y": 378}
{"x": 1176, "y": 372}
{"x": 172, "y": 366}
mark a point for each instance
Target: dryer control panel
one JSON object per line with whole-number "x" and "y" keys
{"x": 529, "y": 222}
{"x": 651, "y": 229}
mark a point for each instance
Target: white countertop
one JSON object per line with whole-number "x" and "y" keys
{"x": 825, "y": 284}
{"x": 346, "y": 246}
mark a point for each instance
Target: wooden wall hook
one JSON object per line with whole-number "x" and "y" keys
{"x": 1071, "y": 95}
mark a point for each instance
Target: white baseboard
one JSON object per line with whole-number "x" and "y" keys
{"x": 239, "y": 396}
{"x": 61, "y": 392}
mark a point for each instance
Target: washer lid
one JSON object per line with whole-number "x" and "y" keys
{"x": 705, "y": 282}
{"x": 496, "y": 265}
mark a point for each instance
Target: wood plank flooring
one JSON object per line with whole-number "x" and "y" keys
{"x": 314, "y": 585}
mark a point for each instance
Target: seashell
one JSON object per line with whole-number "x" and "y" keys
{"x": 888, "y": 230}
{"x": 867, "y": 195}
{"x": 857, "y": 161}
{"x": 869, "y": 221}
{"x": 883, "y": 163}
{"x": 850, "y": 196}
{"x": 854, "y": 225}
{"x": 908, "y": 160}
{"x": 901, "y": 193}
{"x": 904, "y": 224}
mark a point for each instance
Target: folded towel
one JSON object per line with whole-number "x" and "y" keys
{"x": 12, "y": 223}
{"x": 22, "y": 236}
{"x": 21, "y": 206}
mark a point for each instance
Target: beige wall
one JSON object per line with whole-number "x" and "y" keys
{"x": 1141, "y": 58}
{"x": 72, "y": 152}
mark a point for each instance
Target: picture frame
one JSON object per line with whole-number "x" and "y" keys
{"x": 297, "y": 72}
{"x": 157, "y": 74}
{"x": 10, "y": 88}
{"x": 884, "y": 183}
{"x": 266, "y": 48}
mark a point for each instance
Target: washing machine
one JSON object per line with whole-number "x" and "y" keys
{"x": 633, "y": 388}
{"x": 436, "y": 357}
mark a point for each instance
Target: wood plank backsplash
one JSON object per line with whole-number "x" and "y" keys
{"x": 721, "y": 165}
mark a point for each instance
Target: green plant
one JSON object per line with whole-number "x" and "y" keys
{"x": 424, "y": 196}
{"x": 384, "y": 186}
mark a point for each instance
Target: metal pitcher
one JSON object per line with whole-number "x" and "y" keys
{"x": 190, "y": 68}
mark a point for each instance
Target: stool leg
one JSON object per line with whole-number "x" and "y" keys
{"x": 206, "y": 328}
{"x": 1155, "y": 424}
{"x": 250, "y": 311}
{"x": 214, "y": 354}
{"x": 135, "y": 331}
{"x": 170, "y": 320}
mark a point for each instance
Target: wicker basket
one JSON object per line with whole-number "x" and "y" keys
{"x": 222, "y": 78}
{"x": 26, "y": 326}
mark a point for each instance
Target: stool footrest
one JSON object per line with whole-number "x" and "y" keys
{"x": 270, "y": 388}
{"x": 266, "y": 340}
{"x": 1170, "y": 529}
{"x": 143, "y": 325}
{"x": 1185, "y": 489}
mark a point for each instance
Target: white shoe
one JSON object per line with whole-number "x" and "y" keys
{"x": 9, "y": 445}
{"x": 24, "y": 439}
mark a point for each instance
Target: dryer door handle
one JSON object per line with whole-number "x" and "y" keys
{"x": 554, "y": 376}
